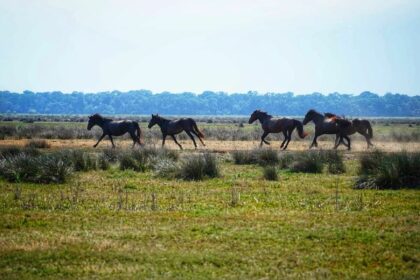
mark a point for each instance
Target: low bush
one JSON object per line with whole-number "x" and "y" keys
{"x": 198, "y": 167}
{"x": 308, "y": 162}
{"x": 389, "y": 170}
{"x": 256, "y": 156}
{"x": 270, "y": 173}
{"x": 38, "y": 144}
{"x": 47, "y": 168}
{"x": 334, "y": 161}
{"x": 11, "y": 151}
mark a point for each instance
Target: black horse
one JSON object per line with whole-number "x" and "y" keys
{"x": 115, "y": 128}
{"x": 323, "y": 125}
{"x": 169, "y": 127}
{"x": 271, "y": 125}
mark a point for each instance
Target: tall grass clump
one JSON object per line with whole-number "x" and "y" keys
{"x": 79, "y": 160}
{"x": 334, "y": 161}
{"x": 198, "y": 167}
{"x": 38, "y": 144}
{"x": 270, "y": 173}
{"x": 243, "y": 157}
{"x": 47, "y": 168}
{"x": 389, "y": 170}
{"x": 10, "y": 151}
{"x": 256, "y": 156}
{"x": 308, "y": 162}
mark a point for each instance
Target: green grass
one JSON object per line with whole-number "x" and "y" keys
{"x": 126, "y": 224}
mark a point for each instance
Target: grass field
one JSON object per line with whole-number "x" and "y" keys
{"x": 127, "y": 224}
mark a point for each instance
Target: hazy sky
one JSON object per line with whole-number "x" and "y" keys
{"x": 232, "y": 46}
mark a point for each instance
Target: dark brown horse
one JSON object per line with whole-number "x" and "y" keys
{"x": 272, "y": 125}
{"x": 349, "y": 127}
{"x": 169, "y": 127}
{"x": 115, "y": 128}
{"x": 323, "y": 125}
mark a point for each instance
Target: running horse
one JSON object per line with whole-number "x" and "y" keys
{"x": 272, "y": 125}
{"x": 170, "y": 127}
{"x": 115, "y": 128}
{"x": 349, "y": 127}
{"x": 323, "y": 125}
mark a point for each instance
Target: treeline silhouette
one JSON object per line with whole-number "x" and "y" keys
{"x": 208, "y": 103}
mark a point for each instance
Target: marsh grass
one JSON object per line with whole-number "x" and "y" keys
{"x": 270, "y": 173}
{"x": 199, "y": 167}
{"x": 389, "y": 170}
{"x": 262, "y": 156}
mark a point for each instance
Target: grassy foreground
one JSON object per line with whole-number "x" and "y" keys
{"x": 125, "y": 224}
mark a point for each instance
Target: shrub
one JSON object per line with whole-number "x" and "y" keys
{"x": 103, "y": 162}
{"x": 38, "y": 143}
{"x": 82, "y": 161}
{"x": 166, "y": 168}
{"x": 11, "y": 151}
{"x": 390, "y": 171}
{"x": 111, "y": 155}
{"x": 127, "y": 161}
{"x": 335, "y": 162}
{"x": 243, "y": 157}
{"x": 256, "y": 156}
{"x": 198, "y": 167}
{"x": 37, "y": 169}
{"x": 267, "y": 156}
{"x": 309, "y": 162}
{"x": 270, "y": 173}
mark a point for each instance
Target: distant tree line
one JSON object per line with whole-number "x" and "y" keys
{"x": 208, "y": 103}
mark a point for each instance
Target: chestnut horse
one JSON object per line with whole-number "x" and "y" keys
{"x": 272, "y": 125}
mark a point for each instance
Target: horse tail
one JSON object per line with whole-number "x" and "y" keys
{"x": 370, "y": 131}
{"x": 194, "y": 125}
{"x": 136, "y": 125}
{"x": 299, "y": 126}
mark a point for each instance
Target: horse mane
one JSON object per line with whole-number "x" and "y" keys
{"x": 100, "y": 117}
{"x": 330, "y": 115}
{"x": 265, "y": 113}
{"x": 160, "y": 117}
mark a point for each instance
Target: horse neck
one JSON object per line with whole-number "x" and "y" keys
{"x": 161, "y": 122}
{"x": 318, "y": 118}
{"x": 262, "y": 118}
{"x": 101, "y": 122}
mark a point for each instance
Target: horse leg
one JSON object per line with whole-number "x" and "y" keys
{"x": 173, "y": 137}
{"x": 314, "y": 143}
{"x": 337, "y": 141}
{"x": 263, "y": 139}
{"x": 163, "y": 140}
{"x": 198, "y": 136}
{"x": 112, "y": 141}
{"x": 135, "y": 139}
{"x": 192, "y": 138}
{"x": 285, "y": 138}
{"x": 349, "y": 143}
{"x": 289, "y": 137}
{"x": 369, "y": 144}
{"x": 100, "y": 139}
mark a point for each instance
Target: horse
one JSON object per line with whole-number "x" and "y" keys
{"x": 271, "y": 125}
{"x": 169, "y": 127}
{"x": 349, "y": 127}
{"x": 323, "y": 125}
{"x": 115, "y": 128}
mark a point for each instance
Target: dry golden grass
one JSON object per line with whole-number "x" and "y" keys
{"x": 223, "y": 146}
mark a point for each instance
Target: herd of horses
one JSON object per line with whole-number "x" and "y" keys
{"x": 327, "y": 123}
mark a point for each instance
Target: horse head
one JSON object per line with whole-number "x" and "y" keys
{"x": 153, "y": 120}
{"x": 254, "y": 116}
{"x": 93, "y": 120}
{"x": 309, "y": 116}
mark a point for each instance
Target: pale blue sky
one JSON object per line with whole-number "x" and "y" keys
{"x": 220, "y": 45}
